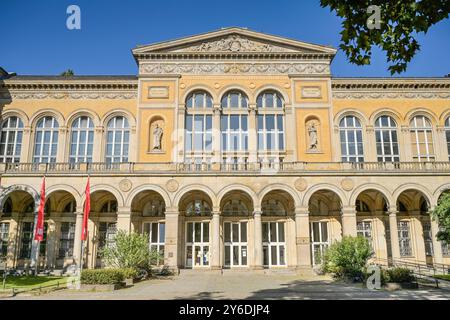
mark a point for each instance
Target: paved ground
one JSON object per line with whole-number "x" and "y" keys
{"x": 239, "y": 285}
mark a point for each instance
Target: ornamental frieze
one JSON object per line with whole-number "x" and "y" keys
{"x": 233, "y": 43}
{"x": 74, "y": 95}
{"x": 391, "y": 95}
{"x": 235, "y": 68}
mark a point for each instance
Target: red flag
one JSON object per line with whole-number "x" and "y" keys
{"x": 39, "y": 234}
{"x": 87, "y": 209}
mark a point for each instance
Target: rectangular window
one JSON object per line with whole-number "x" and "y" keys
{"x": 106, "y": 233}
{"x": 26, "y": 240}
{"x": 319, "y": 240}
{"x": 198, "y": 133}
{"x": 428, "y": 238}
{"x": 270, "y": 132}
{"x": 274, "y": 245}
{"x": 66, "y": 240}
{"x": 4, "y": 238}
{"x": 156, "y": 234}
{"x": 422, "y": 145}
{"x": 234, "y": 130}
{"x": 404, "y": 239}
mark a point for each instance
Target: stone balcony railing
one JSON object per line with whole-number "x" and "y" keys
{"x": 183, "y": 168}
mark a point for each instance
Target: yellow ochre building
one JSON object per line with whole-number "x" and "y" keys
{"x": 231, "y": 149}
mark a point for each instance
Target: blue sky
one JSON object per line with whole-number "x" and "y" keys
{"x": 35, "y": 39}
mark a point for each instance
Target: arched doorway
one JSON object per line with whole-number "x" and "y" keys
{"x": 195, "y": 209}
{"x": 148, "y": 216}
{"x": 102, "y": 226}
{"x": 278, "y": 228}
{"x": 325, "y": 222}
{"x": 236, "y": 207}
{"x": 372, "y": 223}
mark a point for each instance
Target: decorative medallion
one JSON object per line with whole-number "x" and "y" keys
{"x": 125, "y": 185}
{"x": 347, "y": 184}
{"x": 300, "y": 184}
{"x": 182, "y": 86}
{"x": 252, "y": 85}
{"x": 172, "y": 185}
{"x": 287, "y": 85}
{"x": 217, "y": 85}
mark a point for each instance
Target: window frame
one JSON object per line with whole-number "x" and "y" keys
{"x": 53, "y": 141}
{"x": 88, "y": 140}
{"x": 124, "y": 146}
{"x": 16, "y": 133}
{"x": 356, "y": 128}
{"x": 392, "y": 131}
{"x": 415, "y": 132}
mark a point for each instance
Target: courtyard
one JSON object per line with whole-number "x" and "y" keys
{"x": 244, "y": 285}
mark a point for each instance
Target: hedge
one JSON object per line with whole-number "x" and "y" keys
{"x": 399, "y": 275}
{"x": 102, "y": 276}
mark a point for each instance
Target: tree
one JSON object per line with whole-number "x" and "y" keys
{"x": 129, "y": 250}
{"x": 401, "y": 21}
{"x": 348, "y": 257}
{"x": 442, "y": 214}
{"x": 67, "y": 73}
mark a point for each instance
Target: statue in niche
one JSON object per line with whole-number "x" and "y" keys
{"x": 313, "y": 138}
{"x": 157, "y": 137}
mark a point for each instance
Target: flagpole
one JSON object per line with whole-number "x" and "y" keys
{"x": 84, "y": 227}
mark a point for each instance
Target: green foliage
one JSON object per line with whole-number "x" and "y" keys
{"x": 102, "y": 276}
{"x": 348, "y": 257}
{"x": 130, "y": 250}
{"x": 442, "y": 214}
{"x": 399, "y": 275}
{"x": 129, "y": 273}
{"x": 443, "y": 276}
{"x": 67, "y": 73}
{"x": 401, "y": 22}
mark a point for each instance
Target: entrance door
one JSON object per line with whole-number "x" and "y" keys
{"x": 274, "y": 244}
{"x": 235, "y": 244}
{"x": 197, "y": 244}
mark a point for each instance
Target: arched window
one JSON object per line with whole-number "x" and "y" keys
{"x": 155, "y": 208}
{"x": 199, "y": 100}
{"x": 235, "y": 208}
{"x": 447, "y": 135}
{"x": 118, "y": 140}
{"x": 269, "y": 99}
{"x": 234, "y": 122}
{"x": 109, "y": 206}
{"x": 11, "y": 139}
{"x": 46, "y": 140}
{"x": 422, "y": 139}
{"x": 198, "y": 122}
{"x": 386, "y": 139}
{"x": 350, "y": 131}
{"x": 198, "y": 208}
{"x": 273, "y": 207}
{"x": 235, "y": 100}
{"x": 81, "y": 140}
{"x": 270, "y": 121}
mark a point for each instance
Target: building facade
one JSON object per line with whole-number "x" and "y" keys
{"x": 230, "y": 149}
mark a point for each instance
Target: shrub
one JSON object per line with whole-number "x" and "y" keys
{"x": 129, "y": 250}
{"x": 129, "y": 273}
{"x": 348, "y": 257}
{"x": 102, "y": 276}
{"x": 400, "y": 275}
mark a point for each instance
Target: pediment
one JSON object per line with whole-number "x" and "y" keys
{"x": 234, "y": 40}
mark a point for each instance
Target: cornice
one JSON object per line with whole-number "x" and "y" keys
{"x": 142, "y": 57}
{"x": 391, "y": 88}
{"x": 42, "y": 88}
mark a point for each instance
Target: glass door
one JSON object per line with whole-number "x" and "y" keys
{"x": 319, "y": 240}
{"x": 235, "y": 238}
{"x": 197, "y": 244}
{"x": 274, "y": 244}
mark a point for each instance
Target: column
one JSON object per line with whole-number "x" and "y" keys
{"x": 370, "y": 148}
{"x": 215, "y": 246}
{"x": 62, "y": 137}
{"x": 171, "y": 253}
{"x": 349, "y": 221}
{"x": 302, "y": 238}
{"x": 437, "y": 249}
{"x": 180, "y": 153}
{"x": 52, "y": 241}
{"x": 13, "y": 243}
{"x": 77, "y": 241}
{"x": 258, "y": 246}
{"x": 216, "y": 135}
{"x": 90, "y": 254}
{"x": 395, "y": 247}
{"x": 26, "y": 144}
{"x": 98, "y": 142}
{"x": 416, "y": 229}
{"x": 252, "y": 134}
{"x": 124, "y": 219}
{"x": 441, "y": 144}
{"x": 34, "y": 263}
{"x": 405, "y": 141}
